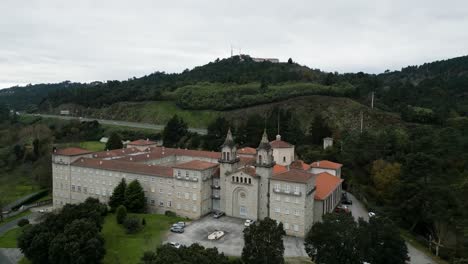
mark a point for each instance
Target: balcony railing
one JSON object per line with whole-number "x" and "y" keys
{"x": 287, "y": 192}
{"x": 216, "y": 196}
{"x": 215, "y": 187}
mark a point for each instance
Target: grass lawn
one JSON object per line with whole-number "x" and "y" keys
{"x": 24, "y": 261}
{"x": 89, "y": 145}
{"x": 9, "y": 219}
{"x": 125, "y": 248}
{"x": 8, "y": 240}
{"x": 16, "y": 184}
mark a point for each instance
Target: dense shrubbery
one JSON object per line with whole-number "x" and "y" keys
{"x": 70, "y": 236}
{"x": 219, "y": 96}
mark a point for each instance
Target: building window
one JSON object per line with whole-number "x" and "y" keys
{"x": 233, "y": 178}
{"x": 186, "y": 174}
{"x": 296, "y": 200}
{"x": 73, "y": 188}
{"x": 161, "y": 181}
{"x": 161, "y": 203}
{"x": 186, "y": 196}
{"x": 194, "y": 196}
{"x": 287, "y": 199}
{"x": 250, "y": 181}
{"x": 228, "y": 156}
{"x": 296, "y": 190}
{"x": 169, "y": 203}
{"x": 278, "y": 198}
{"x": 160, "y": 190}
{"x": 194, "y": 186}
{"x": 296, "y": 228}
{"x": 288, "y": 188}
{"x": 194, "y": 208}
{"x": 284, "y": 159}
{"x": 286, "y": 226}
{"x": 85, "y": 190}
{"x": 277, "y": 210}
{"x": 286, "y": 211}
{"x": 260, "y": 161}
{"x": 152, "y": 189}
{"x": 178, "y": 194}
{"x": 152, "y": 202}
{"x": 178, "y": 206}
{"x": 243, "y": 211}
{"x": 237, "y": 179}
{"x": 277, "y": 187}
{"x": 296, "y": 212}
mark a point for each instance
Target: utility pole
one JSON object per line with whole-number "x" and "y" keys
{"x": 362, "y": 120}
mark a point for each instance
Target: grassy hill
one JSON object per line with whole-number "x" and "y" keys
{"x": 339, "y": 112}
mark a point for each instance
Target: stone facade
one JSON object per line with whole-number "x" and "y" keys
{"x": 194, "y": 183}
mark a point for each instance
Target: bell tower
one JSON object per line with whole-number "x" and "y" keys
{"x": 264, "y": 168}
{"x": 229, "y": 161}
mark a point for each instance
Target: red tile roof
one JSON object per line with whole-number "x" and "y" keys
{"x": 115, "y": 153}
{"x": 247, "y": 151}
{"x": 280, "y": 144}
{"x": 71, "y": 151}
{"x": 123, "y": 166}
{"x": 326, "y": 184}
{"x": 247, "y": 160}
{"x": 141, "y": 142}
{"x": 294, "y": 175}
{"x": 160, "y": 152}
{"x": 279, "y": 169}
{"x": 299, "y": 164}
{"x": 326, "y": 164}
{"x": 249, "y": 170}
{"x": 196, "y": 165}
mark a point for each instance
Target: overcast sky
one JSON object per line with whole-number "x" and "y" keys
{"x": 87, "y": 40}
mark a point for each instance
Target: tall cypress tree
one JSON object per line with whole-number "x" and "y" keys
{"x": 174, "y": 131}
{"x": 114, "y": 142}
{"x": 135, "y": 200}
{"x": 118, "y": 195}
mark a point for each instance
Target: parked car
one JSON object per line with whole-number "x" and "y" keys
{"x": 249, "y": 222}
{"x": 218, "y": 214}
{"x": 181, "y": 224}
{"x": 175, "y": 244}
{"x": 346, "y": 201}
{"x": 216, "y": 235}
{"x": 371, "y": 214}
{"x": 342, "y": 209}
{"x": 177, "y": 229}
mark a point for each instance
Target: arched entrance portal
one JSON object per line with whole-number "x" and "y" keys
{"x": 240, "y": 197}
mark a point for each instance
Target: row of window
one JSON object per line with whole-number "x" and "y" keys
{"x": 104, "y": 192}
{"x": 168, "y": 204}
{"x": 286, "y": 188}
{"x": 186, "y": 196}
{"x": 286, "y": 211}
{"x": 241, "y": 179}
{"x": 286, "y": 199}
{"x": 186, "y": 184}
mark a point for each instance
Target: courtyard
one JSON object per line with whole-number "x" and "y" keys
{"x": 233, "y": 240}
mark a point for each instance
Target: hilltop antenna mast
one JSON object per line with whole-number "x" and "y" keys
{"x": 231, "y": 51}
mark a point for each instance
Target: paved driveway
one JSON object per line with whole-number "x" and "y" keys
{"x": 233, "y": 241}
{"x": 417, "y": 256}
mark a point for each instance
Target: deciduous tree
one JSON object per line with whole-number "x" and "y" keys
{"x": 264, "y": 242}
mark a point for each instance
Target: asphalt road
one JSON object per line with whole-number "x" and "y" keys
{"x": 417, "y": 256}
{"x": 200, "y": 131}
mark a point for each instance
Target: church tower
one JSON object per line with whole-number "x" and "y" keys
{"x": 228, "y": 163}
{"x": 264, "y": 168}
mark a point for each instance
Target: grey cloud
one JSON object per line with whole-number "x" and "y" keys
{"x": 51, "y": 41}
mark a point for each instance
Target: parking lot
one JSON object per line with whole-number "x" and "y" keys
{"x": 233, "y": 240}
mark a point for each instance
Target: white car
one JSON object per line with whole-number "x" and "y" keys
{"x": 174, "y": 244}
{"x": 249, "y": 222}
{"x": 371, "y": 214}
{"x": 216, "y": 235}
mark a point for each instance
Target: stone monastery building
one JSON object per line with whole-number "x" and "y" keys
{"x": 246, "y": 183}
